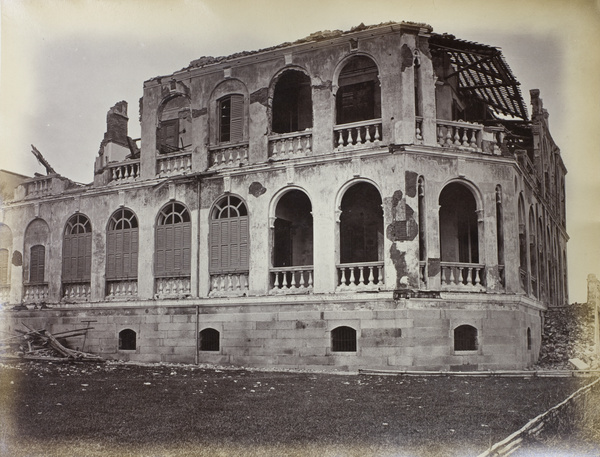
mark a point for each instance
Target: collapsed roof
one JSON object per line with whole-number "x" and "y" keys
{"x": 482, "y": 73}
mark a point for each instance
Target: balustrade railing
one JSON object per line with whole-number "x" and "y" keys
{"x": 168, "y": 164}
{"x": 228, "y": 156}
{"x": 172, "y": 287}
{"x": 35, "y": 293}
{"x": 39, "y": 186}
{"x": 463, "y": 276}
{"x": 288, "y": 145}
{"x": 77, "y": 291}
{"x": 461, "y": 135}
{"x": 358, "y": 135}
{"x": 121, "y": 289}
{"x": 291, "y": 279}
{"x": 360, "y": 276}
{"x": 226, "y": 284}
{"x": 4, "y": 293}
{"x": 423, "y": 273}
{"x": 418, "y": 130}
{"x": 124, "y": 171}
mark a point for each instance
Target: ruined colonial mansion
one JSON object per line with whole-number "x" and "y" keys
{"x": 373, "y": 198}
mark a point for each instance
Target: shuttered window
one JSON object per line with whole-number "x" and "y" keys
{"x": 77, "y": 249}
{"x": 3, "y": 267}
{"x": 231, "y": 119}
{"x": 229, "y": 236}
{"x": 122, "y": 246}
{"x": 173, "y": 241}
{"x": 37, "y": 264}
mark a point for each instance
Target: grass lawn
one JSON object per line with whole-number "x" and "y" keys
{"x": 177, "y": 410}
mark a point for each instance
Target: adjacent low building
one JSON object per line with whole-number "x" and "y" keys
{"x": 373, "y": 198}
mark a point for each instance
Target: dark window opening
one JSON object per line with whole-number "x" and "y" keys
{"x": 174, "y": 128}
{"x": 229, "y": 236}
{"x": 422, "y": 218}
{"x": 231, "y": 119}
{"x": 37, "y": 264}
{"x": 500, "y": 233}
{"x": 417, "y": 84}
{"x": 293, "y": 231}
{"x": 458, "y": 225}
{"x": 209, "y": 339}
{"x": 529, "y": 339}
{"x": 358, "y": 97}
{"x": 292, "y": 103}
{"x": 465, "y": 338}
{"x": 343, "y": 339}
{"x": 361, "y": 224}
{"x": 127, "y": 340}
{"x": 168, "y": 136}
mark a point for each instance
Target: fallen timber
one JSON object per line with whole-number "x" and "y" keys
{"x": 41, "y": 345}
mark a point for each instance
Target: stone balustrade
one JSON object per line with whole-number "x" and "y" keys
{"x": 289, "y": 145}
{"x": 286, "y": 280}
{"x": 172, "y": 287}
{"x": 38, "y": 186}
{"x": 169, "y": 164}
{"x": 459, "y": 276}
{"x": 460, "y": 135}
{"x": 77, "y": 291}
{"x": 229, "y": 156}
{"x": 121, "y": 289}
{"x": 358, "y": 135}
{"x": 360, "y": 276}
{"x": 35, "y": 293}
{"x": 228, "y": 284}
{"x": 124, "y": 171}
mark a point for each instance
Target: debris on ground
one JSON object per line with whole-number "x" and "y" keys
{"x": 40, "y": 344}
{"x": 568, "y": 333}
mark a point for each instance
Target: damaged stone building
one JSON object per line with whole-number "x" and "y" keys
{"x": 376, "y": 198}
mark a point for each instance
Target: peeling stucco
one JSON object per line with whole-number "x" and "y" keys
{"x": 199, "y": 112}
{"x": 260, "y": 96}
{"x": 410, "y": 179}
{"x": 406, "y": 57}
{"x": 256, "y": 189}
{"x": 399, "y": 260}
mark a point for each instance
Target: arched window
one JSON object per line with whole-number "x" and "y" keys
{"x": 459, "y": 237}
{"x": 173, "y": 241}
{"x": 358, "y": 97}
{"x": 229, "y": 236}
{"x": 231, "y": 118}
{"x": 209, "y": 339}
{"x": 127, "y": 340}
{"x": 500, "y": 233}
{"x": 77, "y": 250}
{"x": 361, "y": 236}
{"x": 173, "y": 132}
{"x": 292, "y": 103}
{"x": 5, "y": 250}
{"x": 465, "y": 338}
{"x": 122, "y": 246}
{"x": 533, "y": 253}
{"x": 37, "y": 264}
{"x": 423, "y": 275}
{"x": 528, "y": 339}
{"x": 293, "y": 230}
{"x": 343, "y": 339}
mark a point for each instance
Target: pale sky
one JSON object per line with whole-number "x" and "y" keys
{"x": 63, "y": 64}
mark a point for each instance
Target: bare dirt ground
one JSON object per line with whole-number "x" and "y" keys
{"x": 117, "y": 409}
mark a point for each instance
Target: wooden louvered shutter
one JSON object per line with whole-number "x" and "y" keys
{"x": 224, "y": 244}
{"x": 133, "y": 265}
{"x": 169, "y": 247}
{"x": 66, "y": 259}
{"x": 87, "y": 256}
{"x": 159, "y": 259}
{"x": 215, "y": 245}
{"x": 186, "y": 248}
{"x": 234, "y": 244}
{"x": 237, "y": 119}
{"x": 37, "y": 262}
{"x": 171, "y": 134}
{"x": 110, "y": 255}
{"x": 3, "y": 266}
{"x": 243, "y": 243}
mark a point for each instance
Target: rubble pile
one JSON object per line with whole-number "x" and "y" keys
{"x": 568, "y": 334}
{"x": 42, "y": 345}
